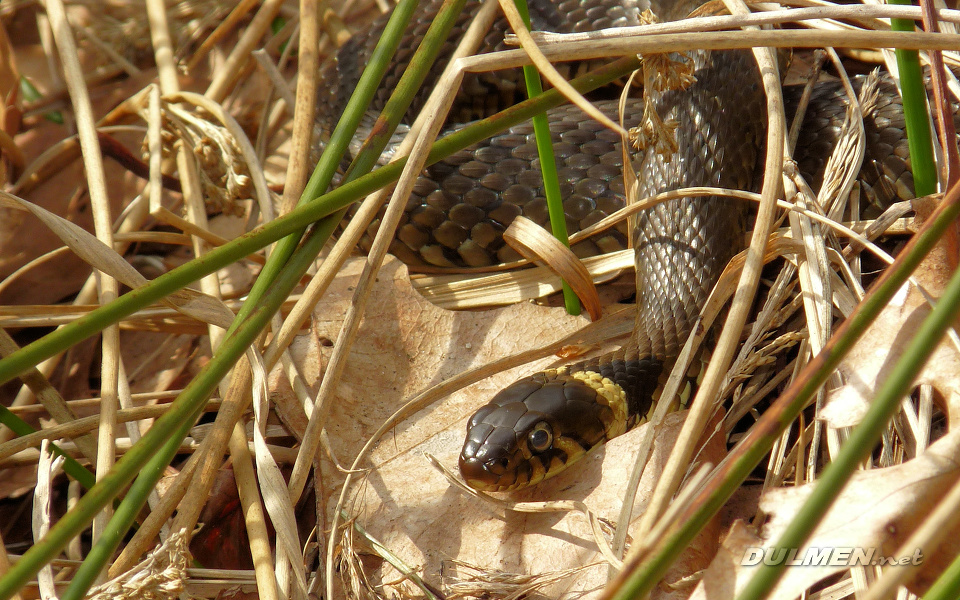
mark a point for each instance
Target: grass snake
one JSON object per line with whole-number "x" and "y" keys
{"x": 541, "y": 424}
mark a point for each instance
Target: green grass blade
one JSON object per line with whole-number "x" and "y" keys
{"x": 864, "y": 437}
{"x": 733, "y": 470}
{"x": 70, "y": 465}
{"x": 407, "y": 88}
{"x": 346, "y": 128}
{"x": 915, "y": 113}
{"x": 548, "y": 164}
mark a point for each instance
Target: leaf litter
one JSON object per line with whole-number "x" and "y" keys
{"x": 407, "y": 506}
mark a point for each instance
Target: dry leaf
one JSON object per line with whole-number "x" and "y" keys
{"x": 17, "y": 481}
{"x": 153, "y": 361}
{"x": 876, "y": 512}
{"x": 23, "y": 238}
{"x": 413, "y": 511}
{"x": 866, "y": 366}
{"x": 870, "y": 361}
{"x": 222, "y": 542}
{"x": 406, "y": 345}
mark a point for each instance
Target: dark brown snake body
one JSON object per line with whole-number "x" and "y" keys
{"x": 460, "y": 207}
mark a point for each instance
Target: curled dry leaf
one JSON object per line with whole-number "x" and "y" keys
{"x": 406, "y": 345}
{"x": 535, "y": 243}
{"x": 876, "y": 512}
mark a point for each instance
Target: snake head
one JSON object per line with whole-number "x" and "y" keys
{"x": 532, "y": 430}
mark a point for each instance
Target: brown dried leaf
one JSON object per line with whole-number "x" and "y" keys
{"x": 406, "y": 345}
{"x": 867, "y": 365}
{"x": 153, "y": 361}
{"x": 878, "y": 510}
{"x": 17, "y": 481}
{"x": 414, "y": 511}
{"x": 24, "y": 239}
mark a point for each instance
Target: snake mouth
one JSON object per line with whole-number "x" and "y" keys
{"x": 485, "y": 475}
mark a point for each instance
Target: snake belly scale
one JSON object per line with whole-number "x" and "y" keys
{"x": 542, "y": 424}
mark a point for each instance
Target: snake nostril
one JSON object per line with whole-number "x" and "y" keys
{"x": 497, "y": 466}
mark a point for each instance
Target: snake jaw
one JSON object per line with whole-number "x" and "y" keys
{"x": 490, "y": 470}
{"x": 506, "y": 461}
{"x": 478, "y": 474}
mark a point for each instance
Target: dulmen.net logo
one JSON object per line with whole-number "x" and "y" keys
{"x": 826, "y": 557}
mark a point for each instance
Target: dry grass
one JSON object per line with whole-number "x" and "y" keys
{"x": 203, "y": 137}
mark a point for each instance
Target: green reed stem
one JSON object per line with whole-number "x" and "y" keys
{"x": 737, "y": 466}
{"x": 548, "y": 165}
{"x": 914, "y": 92}
{"x": 70, "y": 465}
{"x": 864, "y": 437}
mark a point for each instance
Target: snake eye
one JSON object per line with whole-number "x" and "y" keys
{"x": 540, "y": 437}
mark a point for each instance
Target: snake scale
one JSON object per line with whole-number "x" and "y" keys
{"x": 460, "y": 207}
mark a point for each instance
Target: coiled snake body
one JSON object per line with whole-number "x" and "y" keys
{"x": 541, "y": 424}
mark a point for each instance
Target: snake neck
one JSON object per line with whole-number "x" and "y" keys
{"x": 543, "y": 423}
{"x": 631, "y": 374}
{"x": 683, "y": 245}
